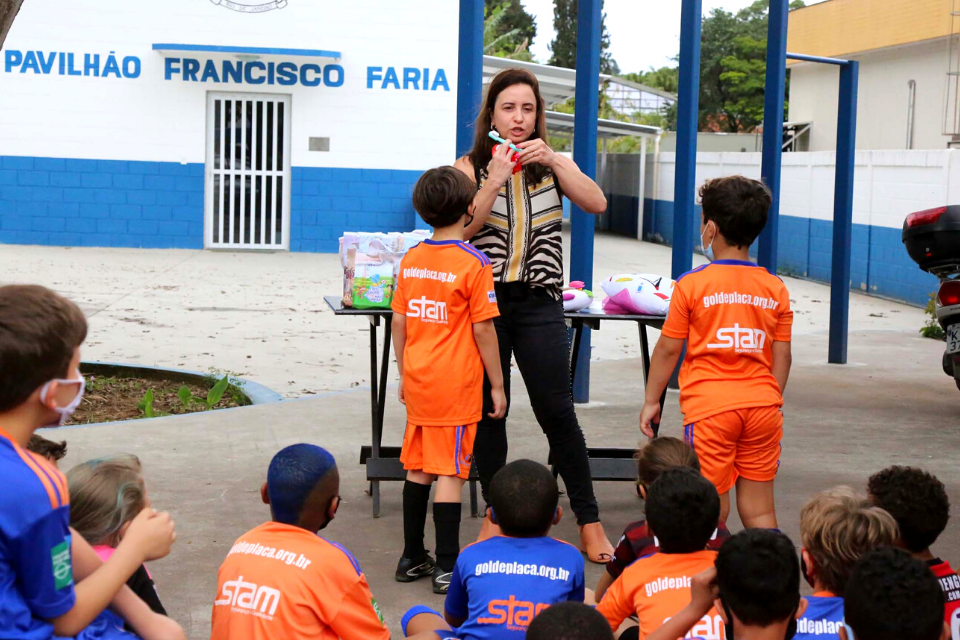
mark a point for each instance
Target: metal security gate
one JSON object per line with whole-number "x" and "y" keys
{"x": 247, "y": 171}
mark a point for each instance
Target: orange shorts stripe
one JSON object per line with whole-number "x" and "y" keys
{"x": 442, "y": 451}
{"x": 744, "y": 442}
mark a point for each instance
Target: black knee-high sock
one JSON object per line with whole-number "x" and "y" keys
{"x": 415, "y": 499}
{"x": 446, "y": 518}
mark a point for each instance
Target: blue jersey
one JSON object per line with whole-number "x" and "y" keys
{"x": 500, "y": 584}
{"x": 36, "y": 569}
{"x": 822, "y": 619}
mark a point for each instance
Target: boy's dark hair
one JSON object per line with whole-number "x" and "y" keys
{"x": 524, "y": 496}
{"x": 916, "y": 500}
{"x": 47, "y": 448}
{"x": 569, "y": 621}
{"x": 39, "y": 331}
{"x": 294, "y": 473}
{"x": 682, "y": 510}
{"x": 738, "y": 206}
{"x": 442, "y": 195}
{"x": 661, "y": 454}
{"x": 758, "y": 576}
{"x": 893, "y": 596}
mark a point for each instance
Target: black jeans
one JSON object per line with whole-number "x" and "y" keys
{"x": 531, "y": 327}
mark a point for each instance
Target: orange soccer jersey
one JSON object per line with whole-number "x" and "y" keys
{"x": 655, "y": 589}
{"x": 281, "y": 581}
{"x": 730, "y": 312}
{"x": 444, "y": 288}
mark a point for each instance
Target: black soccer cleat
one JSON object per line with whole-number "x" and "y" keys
{"x": 441, "y": 581}
{"x": 409, "y": 570}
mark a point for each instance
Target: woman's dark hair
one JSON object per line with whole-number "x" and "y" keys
{"x": 482, "y": 150}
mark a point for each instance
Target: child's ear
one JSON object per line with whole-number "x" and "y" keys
{"x": 842, "y": 631}
{"x": 809, "y": 565}
{"x": 264, "y": 495}
{"x": 801, "y": 608}
{"x": 332, "y": 509}
{"x": 123, "y": 531}
{"x": 557, "y": 516}
{"x": 643, "y": 491}
{"x": 721, "y": 610}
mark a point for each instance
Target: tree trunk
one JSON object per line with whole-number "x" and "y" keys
{"x": 8, "y": 11}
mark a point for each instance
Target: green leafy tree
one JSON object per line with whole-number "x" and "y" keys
{"x": 508, "y": 30}
{"x": 564, "y": 45}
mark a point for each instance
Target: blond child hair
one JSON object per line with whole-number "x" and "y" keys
{"x": 837, "y": 527}
{"x": 105, "y": 495}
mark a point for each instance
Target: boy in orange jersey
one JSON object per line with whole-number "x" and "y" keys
{"x": 52, "y": 583}
{"x": 282, "y": 580}
{"x": 683, "y": 509}
{"x": 736, "y": 320}
{"x": 444, "y": 337}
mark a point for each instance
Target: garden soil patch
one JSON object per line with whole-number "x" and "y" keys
{"x": 108, "y": 399}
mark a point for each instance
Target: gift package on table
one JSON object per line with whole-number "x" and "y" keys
{"x": 371, "y": 262}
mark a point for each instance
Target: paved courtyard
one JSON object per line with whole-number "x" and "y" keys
{"x": 262, "y": 316}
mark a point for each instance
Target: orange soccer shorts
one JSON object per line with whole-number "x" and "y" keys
{"x": 442, "y": 451}
{"x": 743, "y": 442}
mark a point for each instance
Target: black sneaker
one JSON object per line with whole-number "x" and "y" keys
{"x": 409, "y": 570}
{"x": 441, "y": 581}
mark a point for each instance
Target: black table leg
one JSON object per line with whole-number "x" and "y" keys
{"x": 645, "y": 360}
{"x": 577, "y": 326}
{"x": 375, "y": 415}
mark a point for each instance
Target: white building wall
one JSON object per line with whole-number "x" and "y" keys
{"x": 882, "y": 99}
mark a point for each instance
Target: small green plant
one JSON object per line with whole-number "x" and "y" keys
{"x": 932, "y": 328}
{"x": 146, "y": 406}
{"x": 214, "y": 395}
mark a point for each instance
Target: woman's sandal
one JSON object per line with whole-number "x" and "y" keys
{"x": 594, "y": 543}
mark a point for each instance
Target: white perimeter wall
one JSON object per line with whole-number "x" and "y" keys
{"x": 150, "y": 118}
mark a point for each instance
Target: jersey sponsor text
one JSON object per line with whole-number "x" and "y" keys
{"x": 246, "y": 597}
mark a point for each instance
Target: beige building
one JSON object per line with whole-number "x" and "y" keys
{"x": 909, "y": 82}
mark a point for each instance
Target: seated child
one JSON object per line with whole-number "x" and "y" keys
{"x": 40, "y": 386}
{"x": 837, "y": 527}
{"x": 52, "y": 452}
{"x": 501, "y": 583}
{"x": 682, "y": 510}
{"x": 654, "y": 458}
{"x": 281, "y": 579}
{"x": 755, "y": 588}
{"x": 891, "y": 596}
{"x": 105, "y": 496}
{"x": 919, "y": 504}
{"x": 569, "y": 621}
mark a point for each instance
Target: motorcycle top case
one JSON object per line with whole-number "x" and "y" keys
{"x": 932, "y": 237}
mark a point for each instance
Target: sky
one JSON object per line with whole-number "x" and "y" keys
{"x": 643, "y": 33}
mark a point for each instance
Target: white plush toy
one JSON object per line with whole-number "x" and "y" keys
{"x": 637, "y": 293}
{"x": 575, "y": 297}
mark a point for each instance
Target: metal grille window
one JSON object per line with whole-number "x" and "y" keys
{"x": 247, "y": 171}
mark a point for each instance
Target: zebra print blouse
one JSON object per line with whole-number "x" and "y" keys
{"x": 522, "y": 235}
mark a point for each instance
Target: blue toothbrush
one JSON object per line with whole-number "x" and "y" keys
{"x": 493, "y": 134}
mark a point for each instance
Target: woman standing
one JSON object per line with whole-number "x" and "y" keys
{"x": 517, "y": 224}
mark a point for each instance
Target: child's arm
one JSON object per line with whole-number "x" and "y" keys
{"x": 358, "y": 618}
{"x": 150, "y": 536}
{"x": 486, "y": 336}
{"x": 398, "y": 327}
{"x": 703, "y": 592}
{"x": 782, "y": 359}
{"x": 602, "y": 585}
{"x": 616, "y": 605}
{"x": 662, "y": 364}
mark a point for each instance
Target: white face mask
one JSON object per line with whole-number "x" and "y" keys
{"x": 67, "y": 411}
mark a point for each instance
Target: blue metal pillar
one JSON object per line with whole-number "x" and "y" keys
{"x": 843, "y": 213}
{"x": 688, "y": 106}
{"x": 585, "y": 155}
{"x": 469, "y": 72}
{"x": 773, "y": 127}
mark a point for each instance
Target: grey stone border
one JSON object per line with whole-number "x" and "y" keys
{"x": 255, "y": 393}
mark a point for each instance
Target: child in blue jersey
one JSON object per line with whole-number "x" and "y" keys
{"x": 500, "y": 584}
{"x": 40, "y": 556}
{"x": 837, "y": 527}
{"x": 891, "y": 596}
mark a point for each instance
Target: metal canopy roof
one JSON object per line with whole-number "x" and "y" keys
{"x": 557, "y": 84}
{"x": 562, "y": 124}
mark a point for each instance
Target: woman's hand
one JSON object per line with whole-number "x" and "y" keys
{"x": 536, "y": 150}
{"x": 500, "y": 167}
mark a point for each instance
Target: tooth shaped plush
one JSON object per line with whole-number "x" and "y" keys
{"x": 575, "y": 297}
{"x": 637, "y": 293}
